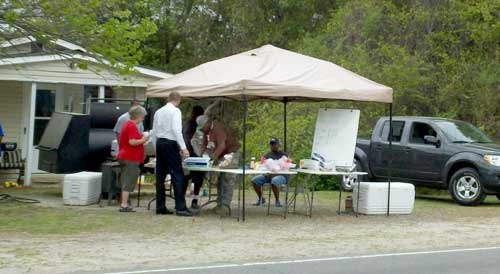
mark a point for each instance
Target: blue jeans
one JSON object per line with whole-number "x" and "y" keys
{"x": 277, "y": 180}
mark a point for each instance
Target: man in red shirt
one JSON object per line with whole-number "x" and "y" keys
{"x": 131, "y": 154}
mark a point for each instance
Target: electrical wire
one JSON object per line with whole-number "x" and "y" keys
{"x": 10, "y": 198}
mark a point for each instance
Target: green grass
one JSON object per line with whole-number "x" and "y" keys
{"x": 44, "y": 220}
{"x": 52, "y": 218}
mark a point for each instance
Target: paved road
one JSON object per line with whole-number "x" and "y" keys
{"x": 480, "y": 260}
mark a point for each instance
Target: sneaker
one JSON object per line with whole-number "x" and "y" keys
{"x": 277, "y": 204}
{"x": 260, "y": 202}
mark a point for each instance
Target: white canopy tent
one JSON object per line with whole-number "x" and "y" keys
{"x": 272, "y": 73}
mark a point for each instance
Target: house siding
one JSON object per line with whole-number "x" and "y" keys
{"x": 11, "y": 115}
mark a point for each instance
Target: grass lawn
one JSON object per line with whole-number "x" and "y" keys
{"x": 52, "y": 218}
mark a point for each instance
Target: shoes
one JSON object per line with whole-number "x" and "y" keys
{"x": 278, "y": 204}
{"x": 164, "y": 211}
{"x": 194, "y": 205}
{"x": 260, "y": 202}
{"x": 184, "y": 213}
{"x": 126, "y": 209}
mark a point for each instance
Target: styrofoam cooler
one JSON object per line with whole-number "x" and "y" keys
{"x": 83, "y": 188}
{"x": 373, "y": 198}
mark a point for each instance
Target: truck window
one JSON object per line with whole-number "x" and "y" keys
{"x": 419, "y": 130}
{"x": 397, "y": 131}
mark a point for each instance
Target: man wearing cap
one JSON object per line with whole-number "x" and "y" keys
{"x": 276, "y": 180}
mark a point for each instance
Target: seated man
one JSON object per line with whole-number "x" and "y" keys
{"x": 276, "y": 180}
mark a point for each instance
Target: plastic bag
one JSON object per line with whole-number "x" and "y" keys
{"x": 275, "y": 165}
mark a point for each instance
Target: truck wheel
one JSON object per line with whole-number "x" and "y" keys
{"x": 348, "y": 182}
{"x": 465, "y": 187}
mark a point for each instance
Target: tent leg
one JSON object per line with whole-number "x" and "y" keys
{"x": 390, "y": 162}
{"x": 149, "y": 117}
{"x": 244, "y": 156}
{"x": 285, "y": 101}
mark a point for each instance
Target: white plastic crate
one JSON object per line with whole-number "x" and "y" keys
{"x": 83, "y": 188}
{"x": 373, "y": 198}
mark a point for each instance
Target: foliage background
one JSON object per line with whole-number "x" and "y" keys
{"x": 441, "y": 57}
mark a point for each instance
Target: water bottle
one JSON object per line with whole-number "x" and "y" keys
{"x": 252, "y": 163}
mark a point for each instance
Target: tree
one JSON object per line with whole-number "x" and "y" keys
{"x": 440, "y": 57}
{"x": 104, "y": 28}
{"x": 191, "y": 32}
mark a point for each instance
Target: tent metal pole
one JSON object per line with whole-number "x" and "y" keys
{"x": 390, "y": 161}
{"x": 285, "y": 102}
{"x": 245, "y": 110}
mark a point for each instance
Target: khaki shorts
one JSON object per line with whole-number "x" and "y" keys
{"x": 129, "y": 173}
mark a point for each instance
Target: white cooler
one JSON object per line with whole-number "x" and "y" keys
{"x": 83, "y": 188}
{"x": 373, "y": 198}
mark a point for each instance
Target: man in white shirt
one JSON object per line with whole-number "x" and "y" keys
{"x": 167, "y": 134}
{"x": 124, "y": 118}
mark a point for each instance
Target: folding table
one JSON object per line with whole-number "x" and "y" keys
{"x": 305, "y": 185}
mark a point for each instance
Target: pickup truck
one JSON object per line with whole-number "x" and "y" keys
{"x": 432, "y": 152}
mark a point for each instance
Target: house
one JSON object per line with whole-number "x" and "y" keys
{"x": 35, "y": 82}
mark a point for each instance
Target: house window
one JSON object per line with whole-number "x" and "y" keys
{"x": 93, "y": 92}
{"x": 45, "y": 106}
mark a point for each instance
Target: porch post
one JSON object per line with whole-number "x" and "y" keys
{"x": 31, "y": 131}
{"x": 60, "y": 98}
{"x": 102, "y": 93}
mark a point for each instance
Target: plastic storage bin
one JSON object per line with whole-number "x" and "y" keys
{"x": 373, "y": 198}
{"x": 83, "y": 188}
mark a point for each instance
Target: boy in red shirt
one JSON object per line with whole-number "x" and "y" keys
{"x": 131, "y": 154}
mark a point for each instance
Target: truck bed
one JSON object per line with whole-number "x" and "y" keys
{"x": 363, "y": 144}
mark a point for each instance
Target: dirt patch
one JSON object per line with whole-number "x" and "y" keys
{"x": 109, "y": 240}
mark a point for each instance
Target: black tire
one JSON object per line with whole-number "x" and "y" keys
{"x": 465, "y": 187}
{"x": 347, "y": 181}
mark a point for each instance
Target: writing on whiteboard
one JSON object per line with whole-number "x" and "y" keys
{"x": 335, "y": 136}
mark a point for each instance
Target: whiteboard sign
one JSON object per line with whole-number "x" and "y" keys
{"x": 335, "y": 136}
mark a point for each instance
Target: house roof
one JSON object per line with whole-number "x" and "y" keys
{"x": 75, "y": 52}
{"x": 27, "y": 59}
{"x": 30, "y": 39}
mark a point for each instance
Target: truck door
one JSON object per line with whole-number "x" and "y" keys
{"x": 379, "y": 154}
{"x": 424, "y": 161}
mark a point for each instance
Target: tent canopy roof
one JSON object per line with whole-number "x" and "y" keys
{"x": 272, "y": 73}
